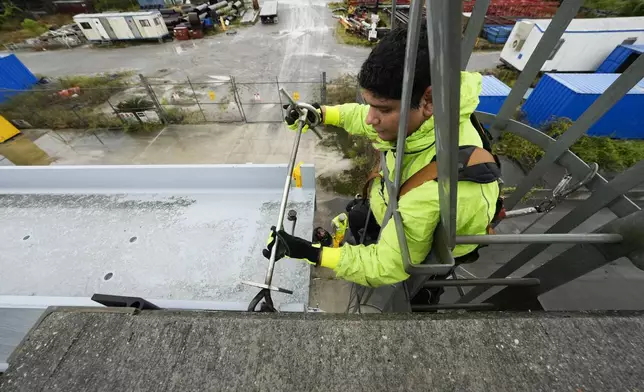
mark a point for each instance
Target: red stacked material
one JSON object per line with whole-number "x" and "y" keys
{"x": 517, "y": 8}
{"x": 372, "y": 3}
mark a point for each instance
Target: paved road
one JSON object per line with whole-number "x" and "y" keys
{"x": 299, "y": 47}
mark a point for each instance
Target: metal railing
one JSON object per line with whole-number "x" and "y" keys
{"x": 448, "y": 55}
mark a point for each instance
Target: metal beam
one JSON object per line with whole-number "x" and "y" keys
{"x": 473, "y": 29}
{"x": 482, "y": 282}
{"x": 539, "y": 239}
{"x": 575, "y": 262}
{"x": 393, "y": 14}
{"x": 444, "y": 21}
{"x": 431, "y": 308}
{"x": 587, "y": 208}
{"x": 622, "y": 206}
{"x": 551, "y": 36}
{"x": 624, "y": 83}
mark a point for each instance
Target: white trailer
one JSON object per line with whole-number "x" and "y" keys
{"x": 584, "y": 45}
{"x": 120, "y": 26}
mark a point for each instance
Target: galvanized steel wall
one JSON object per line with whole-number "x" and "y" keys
{"x": 492, "y": 95}
{"x": 14, "y": 76}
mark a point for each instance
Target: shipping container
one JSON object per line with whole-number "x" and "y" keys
{"x": 620, "y": 58}
{"x": 582, "y": 47}
{"x": 569, "y": 95}
{"x": 493, "y": 94}
{"x": 118, "y": 26}
{"x": 14, "y": 77}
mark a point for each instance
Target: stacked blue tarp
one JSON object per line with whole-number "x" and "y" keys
{"x": 497, "y": 34}
{"x": 618, "y": 56}
{"x": 14, "y": 77}
{"x": 563, "y": 95}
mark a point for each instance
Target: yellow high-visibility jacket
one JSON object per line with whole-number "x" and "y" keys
{"x": 381, "y": 263}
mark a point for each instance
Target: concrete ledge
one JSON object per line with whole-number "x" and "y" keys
{"x": 83, "y": 349}
{"x": 146, "y": 178}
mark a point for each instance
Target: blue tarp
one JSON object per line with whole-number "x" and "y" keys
{"x": 618, "y": 56}
{"x": 14, "y": 76}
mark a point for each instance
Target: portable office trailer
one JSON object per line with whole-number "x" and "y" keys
{"x": 493, "y": 94}
{"x": 582, "y": 48}
{"x": 621, "y": 58}
{"x": 569, "y": 95}
{"x": 118, "y": 26}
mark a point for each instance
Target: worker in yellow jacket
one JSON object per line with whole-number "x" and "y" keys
{"x": 380, "y": 79}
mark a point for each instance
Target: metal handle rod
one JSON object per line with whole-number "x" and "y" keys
{"x": 521, "y": 212}
{"x": 490, "y": 239}
{"x": 300, "y": 107}
{"x": 482, "y": 282}
{"x": 287, "y": 187}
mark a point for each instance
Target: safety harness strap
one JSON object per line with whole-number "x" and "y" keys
{"x": 475, "y": 164}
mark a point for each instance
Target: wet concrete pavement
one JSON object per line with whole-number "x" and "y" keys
{"x": 299, "y": 47}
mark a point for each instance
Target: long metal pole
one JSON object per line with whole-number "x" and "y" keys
{"x": 444, "y": 33}
{"x": 539, "y": 239}
{"x": 287, "y": 187}
{"x": 473, "y": 29}
{"x": 482, "y": 282}
{"x": 393, "y": 14}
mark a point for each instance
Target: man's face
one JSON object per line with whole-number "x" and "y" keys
{"x": 384, "y": 116}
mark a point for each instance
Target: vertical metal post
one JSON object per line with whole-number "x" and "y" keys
{"x": 116, "y": 113}
{"x": 237, "y": 99}
{"x": 194, "y": 94}
{"x": 393, "y": 14}
{"x": 153, "y": 98}
{"x": 553, "y": 33}
{"x": 323, "y": 89}
{"x": 610, "y": 97}
{"x": 473, "y": 29}
{"x": 443, "y": 21}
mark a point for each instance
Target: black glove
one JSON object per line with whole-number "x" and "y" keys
{"x": 293, "y": 247}
{"x": 292, "y": 115}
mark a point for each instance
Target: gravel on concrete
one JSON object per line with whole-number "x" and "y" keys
{"x": 118, "y": 350}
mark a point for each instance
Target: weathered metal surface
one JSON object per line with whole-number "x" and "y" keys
{"x": 186, "y": 351}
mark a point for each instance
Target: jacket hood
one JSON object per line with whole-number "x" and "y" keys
{"x": 471, "y": 85}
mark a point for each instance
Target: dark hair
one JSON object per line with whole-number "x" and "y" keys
{"x": 382, "y": 72}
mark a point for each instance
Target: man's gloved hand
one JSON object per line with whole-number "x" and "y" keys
{"x": 292, "y": 115}
{"x": 293, "y": 247}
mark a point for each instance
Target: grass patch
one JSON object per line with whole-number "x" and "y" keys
{"x": 337, "y": 4}
{"x": 610, "y": 154}
{"x": 341, "y": 90}
{"x": 15, "y": 29}
{"x": 482, "y": 45}
{"x": 363, "y": 158}
{"x": 345, "y": 37}
{"x": 604, "y": 8}
{"x": 507, "y": 76}
{"x": 50, "y": 106}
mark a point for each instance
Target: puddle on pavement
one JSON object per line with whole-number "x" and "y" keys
{"x": 21, "y": 151}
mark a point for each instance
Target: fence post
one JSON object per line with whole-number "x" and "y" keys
{"x": 237, "y": 99}
{"x": 154, "y": 99}
{"x": 323, "y": 89}
{"x": 194, "y": 94}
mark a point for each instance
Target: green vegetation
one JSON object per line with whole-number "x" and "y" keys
{"x": 483, "y": 45}
{"x": 16, "y": 25}
{"x": 70, "y": 102}
{"x": 116, "y": 5}
{"x": 611, "y": 155}
{"x": 345, "y": 37}
{"x": 603, "y": 8}
{"x": 506, "y": 75}
{"x": 135, "y": 104}
{"x": 33, "y": 27}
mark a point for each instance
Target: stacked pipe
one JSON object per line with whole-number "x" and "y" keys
{"x": 238, "y": 5}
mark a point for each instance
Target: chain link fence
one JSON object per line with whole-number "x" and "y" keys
{"x": 129, "y": 102}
